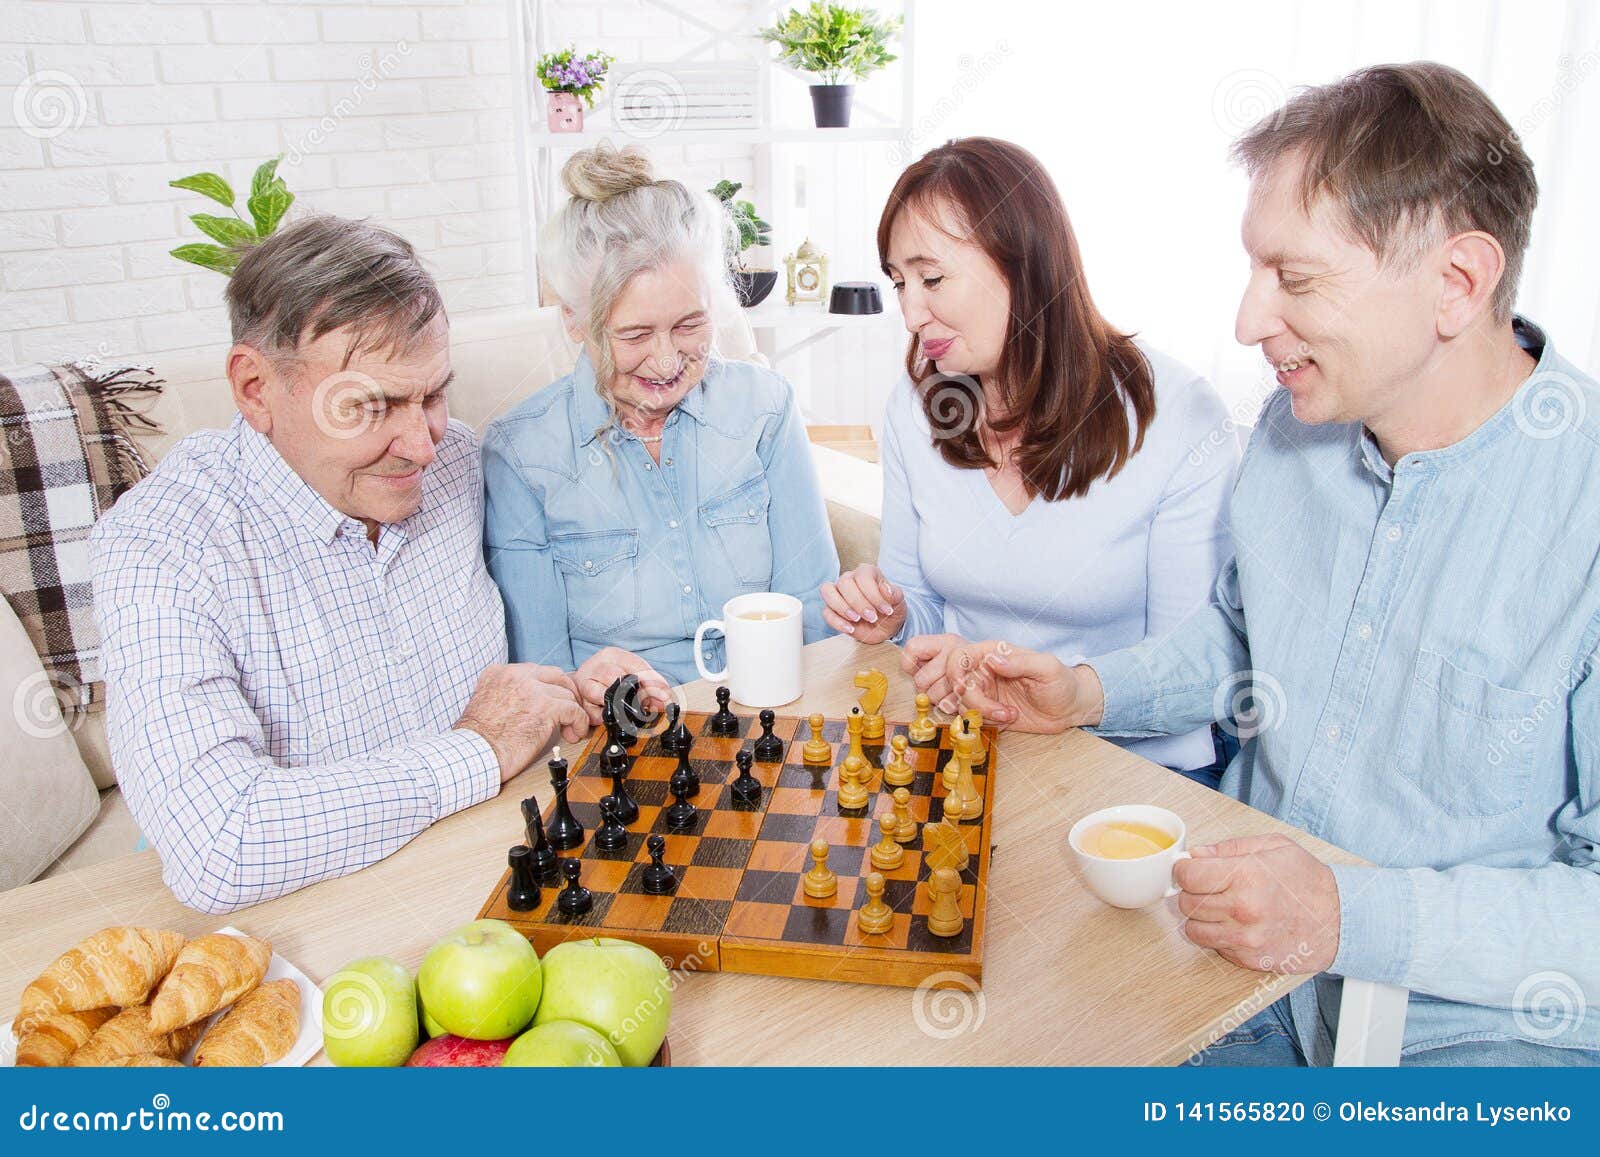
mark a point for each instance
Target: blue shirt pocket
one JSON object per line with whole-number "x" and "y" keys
{"x": 1466, "y": 743}
{"x": 602, "y": 583}
{"x": 737, "y": 518}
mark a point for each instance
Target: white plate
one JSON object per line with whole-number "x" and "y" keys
{"x": 306, "y": 1047}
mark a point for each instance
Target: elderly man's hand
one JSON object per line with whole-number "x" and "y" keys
{"x": 605, "y": 667}
{"x": 1263, "y": 902}
{"x": 517, "y": 706}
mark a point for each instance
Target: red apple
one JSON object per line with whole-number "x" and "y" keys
{"x": 457, "y": 1052}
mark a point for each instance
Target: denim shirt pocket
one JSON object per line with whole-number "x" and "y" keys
{"x": 738, "y": 518}
{"x": 1466, "y": 743}
{"x": 602, "y": 583}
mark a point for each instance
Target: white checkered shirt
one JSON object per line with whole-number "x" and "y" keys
{"x": 280, "y": 694}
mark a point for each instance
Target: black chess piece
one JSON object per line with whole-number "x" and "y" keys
{"x": 686, "y": 775}
{"x": 544, "y": 856}
{"x": 724, "y": 724}
{"x": 574, "y": 899}
{"x": 523, "y": 894}
{"x": 614, "y": 762}
{"x": 675, "y": 739}
{"x": 746, "y": 789}
{"x": 564, "y": 831}
{"x": 614, "y": 714}
{"x": 680, "y": 816}
{"x": 658, "y": 879}
{"x": 769, "y": 748}
{"x": 610, "y": 836}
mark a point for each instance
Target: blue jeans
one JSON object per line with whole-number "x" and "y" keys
{"x": 1226, "y": 747}
{"x": 1268, "y": 1040}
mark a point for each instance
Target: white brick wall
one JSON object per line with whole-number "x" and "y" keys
{"x": 397, "y": 111}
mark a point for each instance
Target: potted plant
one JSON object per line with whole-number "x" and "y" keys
{"x": 752, "y": 285}
{"x": 566, "y": 76}
{"x": 838, "y": 44}
{"x": 269, "y": 200}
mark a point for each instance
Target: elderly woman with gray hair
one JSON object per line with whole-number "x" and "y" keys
{"x": 630, "y": 499}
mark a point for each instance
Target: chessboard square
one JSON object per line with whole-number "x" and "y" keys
{"x": 724, "y": 801}
{"x": 804, "y": 778}
{"x": 766, "y": 887}
{"x": 901, "y": 895}
{"x": 853, "y": 831}
{"x": 919, "y": 939}
{"x": 648, "y": 793}
{"x": 661, "y": 828}
{"x": 786, "y": 727}
{"x": 898, "y": 933}
{"x": 792, "y": 829}
{"x": 604, "y": 875}
{"x": 845, "y": 897}
{"x": 758, "y": 921}
{"x": 702, "y": 883}
{"x": 794, "y": 801}
{"x": 634, "y": 911}
{"x": 807, "y": 925}
{"x": 779, "y": 856}
{"x": 593, "y": 918}
{"x": 611, "y": 855}
{"x": 910, "y": 866}
{"x": 721, "y": 852}
{"x": 653, "y": 768}
{"x": 647, "y": 817}
{"x": 691, "y": 916}
{"x": 736, "y": 825}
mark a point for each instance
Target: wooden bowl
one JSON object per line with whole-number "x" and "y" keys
{"x": 663, "y": 1057}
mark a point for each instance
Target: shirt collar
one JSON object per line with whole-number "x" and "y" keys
{"x": 591, "y": 412}
{"x": 273, "y": 478}
{"x": 1538, "y": 346}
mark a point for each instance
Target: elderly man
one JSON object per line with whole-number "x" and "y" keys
{"x": 304, "y": 653}
{"x": 1415, "y": 604}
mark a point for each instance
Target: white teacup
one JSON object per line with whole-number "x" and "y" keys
{"x": 1134, "y": 883}
{"x": 763, "y": 634}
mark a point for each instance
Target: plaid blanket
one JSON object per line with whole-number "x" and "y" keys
{"x": 66, "y": 454}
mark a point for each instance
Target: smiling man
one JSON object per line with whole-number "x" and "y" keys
{"x": 1414, "y": 611}
{"x": 304, "y": 654}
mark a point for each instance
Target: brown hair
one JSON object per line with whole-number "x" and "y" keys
{"x": 1403, "y": 150}
{"x": 1067, "y": 379}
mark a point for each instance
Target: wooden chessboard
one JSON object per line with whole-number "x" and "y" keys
{"x": 740, "y": 906}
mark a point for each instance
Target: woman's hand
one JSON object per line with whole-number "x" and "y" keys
{"x": 926, "y": 659}
{"x": 604, "y": 668}
{"x": 864, "y": 605}
{"x": 1013, "y": 687}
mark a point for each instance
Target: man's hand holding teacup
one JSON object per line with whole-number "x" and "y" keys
{"x": 1263, "y": 902}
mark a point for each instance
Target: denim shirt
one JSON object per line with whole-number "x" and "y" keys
{"x": 1421, "y": 643}
{"x": 593, "y": 544}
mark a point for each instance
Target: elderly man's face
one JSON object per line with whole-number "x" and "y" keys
{"x": 1345, "y": 333}
{"x": 361, "y": 434}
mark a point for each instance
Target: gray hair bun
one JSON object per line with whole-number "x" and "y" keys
{"x": 604, "y": 172}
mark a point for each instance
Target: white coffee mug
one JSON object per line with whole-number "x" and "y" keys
{"x": 1131, "y": 883}
{"x": 763, "y": 653}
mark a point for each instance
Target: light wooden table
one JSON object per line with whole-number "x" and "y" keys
{"x": 1067, "y": 980}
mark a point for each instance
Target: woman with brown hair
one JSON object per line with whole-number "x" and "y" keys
{"x": 1048, "y": 480}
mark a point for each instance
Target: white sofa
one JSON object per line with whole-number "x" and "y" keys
{"x": 59, "y": 806}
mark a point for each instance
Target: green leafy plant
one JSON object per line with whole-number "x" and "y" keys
{"x": 269, "y": 200}
{"x": 836, "y": 43}
{"x": 753, "y": 230}
{"x": 566, "y": 71}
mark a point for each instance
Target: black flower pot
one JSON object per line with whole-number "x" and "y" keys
{"x": 753, "y": 285}
{"x": 830, "y": 105}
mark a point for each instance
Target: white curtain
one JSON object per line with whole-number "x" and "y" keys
{"x": 1132, "y": 108}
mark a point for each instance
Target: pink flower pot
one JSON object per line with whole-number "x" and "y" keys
{"x": 565, "y": 113}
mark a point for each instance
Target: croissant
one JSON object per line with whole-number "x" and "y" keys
{"x": 210, "y": 973}
{"x": 47, "y": 1041}
{"x": 115, "y": 966}
{"x": 129, "y": 1034}
{"x": 144, "y": 1061}
{"x": 258, "y": 1030}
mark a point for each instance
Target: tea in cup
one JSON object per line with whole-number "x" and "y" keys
{"x": 1126, "y": 853}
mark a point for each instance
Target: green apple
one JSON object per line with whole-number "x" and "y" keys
{"x": 482, "y": 981}
{"x": 430, "y": 1027}
{"x": 561, "y": 1044}
{"x": 616, "y": 987}
{"x": 369, "y": 1013}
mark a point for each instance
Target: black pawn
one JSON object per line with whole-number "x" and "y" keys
{"x": 523, "y": 895}
{"x": 686, "y": 775}
{"x": 565, "y": 831}
{"x": 574, "y": 899}
{"x": 724, "y": 724}
{"x": 769, "y": 748}
{"x": 747, "y": 788}
{"x": 614, "y": 762}
{"x": 544, "y": 856}
{"x": 658, "y": 879}
{"x": 610, "y": 836}
{"x": 672, "y": 742}
{"x": 680, "y": 816}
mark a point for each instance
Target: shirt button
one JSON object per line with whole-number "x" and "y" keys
{"x": 649, "y": 465}
{"x": 588, "y": 564}
{"x": 1334, "y": 733}
{"x": 750, "y": 513}
{"x": 672, "y": 524}
{"x": 1394, "y": 534}
{"x": 1364, "y": 631}
{"x": 687, "y": 589}
{"x": 666, "y": 461}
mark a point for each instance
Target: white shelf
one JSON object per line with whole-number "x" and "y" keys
{"x": 775, "y": 313}
{"x": 544, "y": 139}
